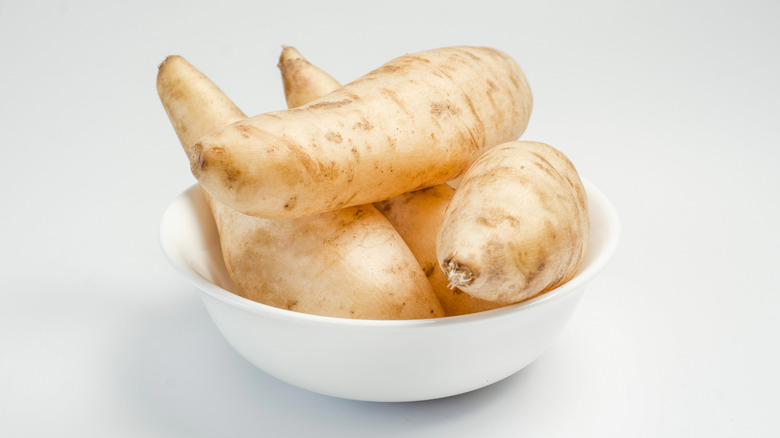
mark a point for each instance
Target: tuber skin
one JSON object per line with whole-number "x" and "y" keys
{"x": 349, "y": 263}
{"x": 517, "y": 226}
{"x": 418, "y": 121}
{"x": 415, "y": 215}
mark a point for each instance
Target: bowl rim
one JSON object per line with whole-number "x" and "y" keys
{"x": 581, "y": 279}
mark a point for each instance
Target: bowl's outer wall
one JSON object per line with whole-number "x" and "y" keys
{"x": 387, "y": 363}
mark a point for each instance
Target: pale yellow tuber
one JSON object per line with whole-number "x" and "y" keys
{"x": 349, "y": 263}
{"x": 517, "y": 226}
{"x": 418, "y": 121}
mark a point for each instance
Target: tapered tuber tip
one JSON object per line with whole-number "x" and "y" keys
{"x": 168, "y": 59}
{"x": 289, "y": 53}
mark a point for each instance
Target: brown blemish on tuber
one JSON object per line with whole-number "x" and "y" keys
{"x": 290, "y": 204}
{"x": 196, "y": 158}
{"x": 444, "y": 108}
{"x": 334, "y": 136}
{"x": 363, "y": 124}
{"x": 330, "y": 105}
{"x": 392, "y": 96}
{"x": 388, "y": 68}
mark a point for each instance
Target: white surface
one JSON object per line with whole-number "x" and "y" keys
{"x": 669, "y": 107}
{"x": 388, "y": 361}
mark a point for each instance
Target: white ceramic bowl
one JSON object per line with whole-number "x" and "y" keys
{"x": 378, "y": 360}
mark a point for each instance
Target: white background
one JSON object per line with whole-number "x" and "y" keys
{"x": 670, "y": 107}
